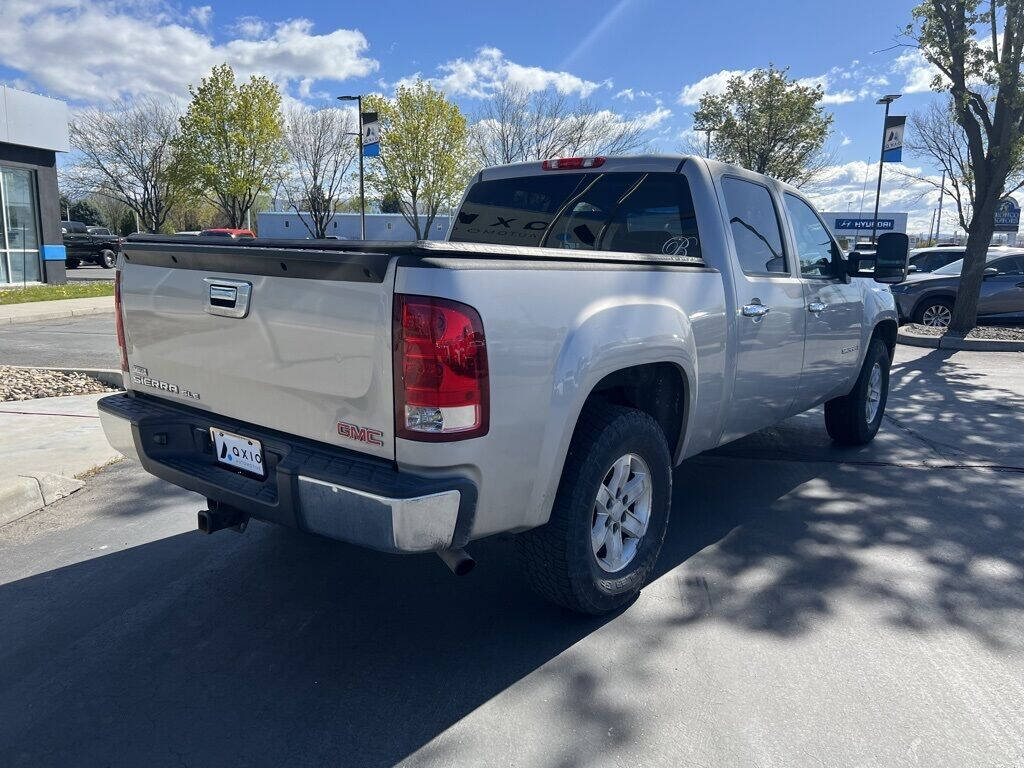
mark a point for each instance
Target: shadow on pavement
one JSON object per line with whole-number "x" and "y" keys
{"x": 277, "y": 648}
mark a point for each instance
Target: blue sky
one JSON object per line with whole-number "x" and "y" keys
{"x": 639, "y": 58}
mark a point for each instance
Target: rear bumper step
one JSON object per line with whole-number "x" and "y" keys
{"x": 309, "y": 485}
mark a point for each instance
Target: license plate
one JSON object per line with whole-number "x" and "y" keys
{"x": 238, "y": 451}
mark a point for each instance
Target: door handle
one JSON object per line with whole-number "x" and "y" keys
{"x": 756, "y": 311}
{"x": 817, "y": 306}
{"x": 1020, "y": 285}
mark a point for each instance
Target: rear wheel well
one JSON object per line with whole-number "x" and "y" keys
{"x": 886, "y": 331}
{"x": 658, "y": 389}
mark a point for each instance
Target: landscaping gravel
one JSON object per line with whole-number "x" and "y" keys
{"x": 30, "y": 383}
{"x": 1001, "y": 332}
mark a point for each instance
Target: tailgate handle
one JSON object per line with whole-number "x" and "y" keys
{"x": 228, "y": 298}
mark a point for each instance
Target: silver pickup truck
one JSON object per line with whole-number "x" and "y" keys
{"x": 589, "y": 324}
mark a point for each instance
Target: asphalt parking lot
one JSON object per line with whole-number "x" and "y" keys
{"x": 89, "y": 273}
{"x": 813, "y": 606}
{"x": 85, "y": 342}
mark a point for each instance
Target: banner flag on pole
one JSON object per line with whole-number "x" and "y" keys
{"x": 371, "y": 135}
{"x": 892, "y": 150}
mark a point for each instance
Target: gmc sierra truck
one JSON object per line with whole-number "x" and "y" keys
{"x": 589, "y": 324}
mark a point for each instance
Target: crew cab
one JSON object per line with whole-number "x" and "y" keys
{"x": 589, "y": 324}
{"x": 95, "y": 245}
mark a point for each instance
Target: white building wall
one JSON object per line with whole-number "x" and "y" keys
{"x": 379, "y": 226}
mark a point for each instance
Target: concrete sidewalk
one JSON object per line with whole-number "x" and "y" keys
{"x": 44, "y": 444}
{"x": 33, "y": 311}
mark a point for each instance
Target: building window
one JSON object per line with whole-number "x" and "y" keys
{"x": 286, "y": 223}
{"x": 19, "y": 227}
{"x": 389, "y": 225}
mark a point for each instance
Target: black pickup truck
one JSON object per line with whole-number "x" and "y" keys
{"x": 91, "y": 244}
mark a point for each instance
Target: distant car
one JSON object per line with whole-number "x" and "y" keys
{"x": 95, "y": 245}
{"x": 927, "y": 297}
{"x": 935, "y": 257}
{"x": 227, "y": 232}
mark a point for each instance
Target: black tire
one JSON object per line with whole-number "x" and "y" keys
{"x": 71, "y": 263}
{"x": 922, "y": 308}
{"x": 846, "y": 417}
{"x": 108, "y": 259}
{"x": 557, "y": 558}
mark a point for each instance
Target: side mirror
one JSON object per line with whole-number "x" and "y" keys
{"x": 891, "y": 258}
{"x": 913, "y": 268}
{"x": 990, "y": 271}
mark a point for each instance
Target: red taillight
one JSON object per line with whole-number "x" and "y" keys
{"x": 571, "y": 163}
{"x": 440, "y": 366}
{"x": 119, "y": 322}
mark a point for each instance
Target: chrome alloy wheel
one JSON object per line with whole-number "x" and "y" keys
{"x": 874, "y": 394}
{"x": 937, "y": 316}
{"x": 622, "y": 511}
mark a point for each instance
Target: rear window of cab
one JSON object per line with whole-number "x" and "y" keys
{"x": 626, "y": 212}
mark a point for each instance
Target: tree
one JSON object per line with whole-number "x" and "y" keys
{"x": 231, "y": 142}
{"x": 85, "y": 212}
{"x": 390, "y": 204}
{"x": 321, "y": 149}
{"x": 768, "y": 123}
{"x": 125, "y": 153}
{"x": 977, "y": 48}
{"x": 516, "y": 125}
{"x": 934, "y": 135}
{"x": 423, "y": 152}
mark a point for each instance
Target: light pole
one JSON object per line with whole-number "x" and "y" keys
{"x": 708, "y": 131}
{"x": 942, "y": 194}
{"x": 362, "y": 197}
{"x": 887, "y": 100}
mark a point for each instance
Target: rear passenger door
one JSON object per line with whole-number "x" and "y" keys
{"x": 835, "y": 309}
{"x": 770, "y": 313}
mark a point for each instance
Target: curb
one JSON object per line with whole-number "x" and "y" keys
{"x": 965, "y": 345}
{"x": 24, "y": 494}
{"x": 108, "y": 376}
{"x": 58, "y": 315}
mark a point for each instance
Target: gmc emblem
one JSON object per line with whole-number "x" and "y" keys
{"x": 362, "y": 434}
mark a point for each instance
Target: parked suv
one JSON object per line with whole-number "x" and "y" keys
{"x": 96, "y": 245}
{"x": 928, "y": 298}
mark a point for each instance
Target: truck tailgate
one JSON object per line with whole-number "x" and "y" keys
{"x": 307, "y": 352}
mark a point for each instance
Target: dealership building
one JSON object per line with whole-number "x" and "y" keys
{"x": 33, "y": 129}
{"x": 345, "y": 226}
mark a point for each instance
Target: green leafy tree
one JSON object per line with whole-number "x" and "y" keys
{"x": 978, "y": 48}
{"x": 768, "y": 123}
{"x": 423, "y": 153}
{"x": 231, "y": 144}
{"x": 390, "y": 204}
{"x": 85, "y": 212}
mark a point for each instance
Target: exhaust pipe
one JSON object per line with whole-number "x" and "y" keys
{"x": 217, "y": 518}
{"x": 459, "y": 561}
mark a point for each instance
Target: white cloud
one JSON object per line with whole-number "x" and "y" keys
{"x": 629, "y": 94}
{"x": 201, "y": 15}
{"x": 488, "y": 70}
{"x": 712, "y": 84}
{"x": 717, "y": 83}
{"x": 843, "y": 188}
{"x": 917, "y": 72}
{"x": 89, "y": 51}
{"x": 251, "y": 27}
{"x": 654, "y": 118}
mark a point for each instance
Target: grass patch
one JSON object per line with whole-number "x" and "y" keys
{"x": 54, "y": 292}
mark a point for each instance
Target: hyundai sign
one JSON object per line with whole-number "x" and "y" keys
{"x": 845, "y": 224}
